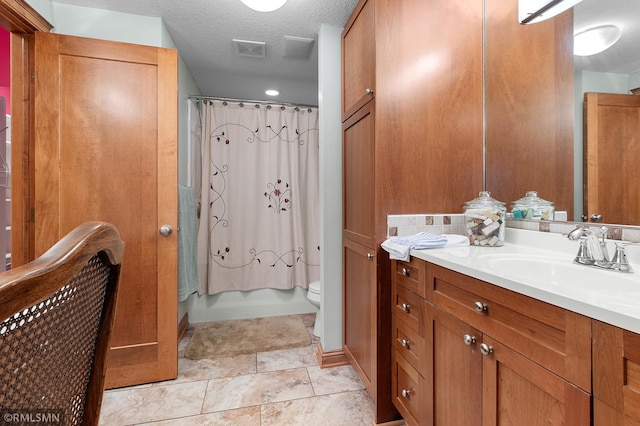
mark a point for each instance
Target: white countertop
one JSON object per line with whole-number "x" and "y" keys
{"x": 608, "y": 296}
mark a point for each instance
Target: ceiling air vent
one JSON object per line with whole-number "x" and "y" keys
{"x": 254, "y": 49}
{"x": 297, "y": 47}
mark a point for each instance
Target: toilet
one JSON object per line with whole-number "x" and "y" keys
{"x": 313, "y": 294}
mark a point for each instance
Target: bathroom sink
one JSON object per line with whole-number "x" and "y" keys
{"x": 555, "y": 271}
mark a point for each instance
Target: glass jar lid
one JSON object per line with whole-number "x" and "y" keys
{"x": 484, "y": 200}
{"x": 531, "y": 199}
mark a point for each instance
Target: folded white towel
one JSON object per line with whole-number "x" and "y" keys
{"x": 399, "y": 248}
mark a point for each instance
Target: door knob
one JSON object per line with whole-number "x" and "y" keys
{"x": 166, "y": 230}
{"x": 596, "y": 217}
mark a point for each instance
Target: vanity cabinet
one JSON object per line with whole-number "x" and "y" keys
{"x": 616, "y": 376}
{"x": 480, "y": 354}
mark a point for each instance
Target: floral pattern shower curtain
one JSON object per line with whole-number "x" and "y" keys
{"x": 259, "y": 225}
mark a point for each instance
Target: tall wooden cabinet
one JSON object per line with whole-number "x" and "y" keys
{"x": 400, "y": 120}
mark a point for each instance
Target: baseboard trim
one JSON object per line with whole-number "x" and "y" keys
{"x": 182, "y": 326}
{"x": 330, "y": 359}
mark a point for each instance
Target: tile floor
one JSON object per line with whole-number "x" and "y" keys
{"x": 280, "y": 388}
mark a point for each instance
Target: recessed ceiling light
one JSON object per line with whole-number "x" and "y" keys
{"x": 272, "y": 92}
{"x": 264, "y": 5}
{"x": 595, "y": 40}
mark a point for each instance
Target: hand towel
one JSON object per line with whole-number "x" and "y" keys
{"x": 399, "y": 247}
{"x": 187, "y": 247}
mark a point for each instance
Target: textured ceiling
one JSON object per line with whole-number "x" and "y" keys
{"x": 203, "y": 31}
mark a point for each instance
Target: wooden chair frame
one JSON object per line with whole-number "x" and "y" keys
{"x": 25, "y": 289}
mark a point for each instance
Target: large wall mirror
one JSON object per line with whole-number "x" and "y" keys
{"x": 610, "y": 193}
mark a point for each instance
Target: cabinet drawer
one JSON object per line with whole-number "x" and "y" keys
{"x": 410, "y": 275}
{"x": 409, "y": 344}
{"x": 408, "y": 389}
{"x": 547, "y": 334}
{"x": 408, "y": 307}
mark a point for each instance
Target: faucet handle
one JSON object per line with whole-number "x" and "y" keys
{"x": 603, "y": 232}
{"x": 584, "y": 256}
{"x": 619, "y": 261}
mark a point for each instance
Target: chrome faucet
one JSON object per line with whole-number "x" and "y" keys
{"x": 593, "y": 250}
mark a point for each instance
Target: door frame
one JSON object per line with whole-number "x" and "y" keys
{"x": 22, "y": 21}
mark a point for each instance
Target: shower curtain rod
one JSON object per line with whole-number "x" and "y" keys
{"x": 215, "y": 98}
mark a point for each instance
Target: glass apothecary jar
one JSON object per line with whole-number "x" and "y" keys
{"x": 485, "y": 220}
{"x": 532, "y": 207}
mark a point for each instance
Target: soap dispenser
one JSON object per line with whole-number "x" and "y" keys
{"x": 485, "y": 220}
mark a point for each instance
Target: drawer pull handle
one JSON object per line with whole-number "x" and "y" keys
{"x": 469, "y": 339}
{"x": 406, "y": 308}
{"x": 406, "y": 343}
{"x": 368, "y": 91}
{"x": 485, "y": 349}
{"x": 369, "y": 256}
{"x": 406, "y": 272}
{"x": 481, "y": 307}
{"x": 406, "y": 393}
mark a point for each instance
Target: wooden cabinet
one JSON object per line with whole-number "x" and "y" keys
{"x": 616, "y": 376}
{"x": 358, "y": 57}
{"x": 358, "y": 176}
{"x": 359, "y": 301}
{"x": 484, "y": 354}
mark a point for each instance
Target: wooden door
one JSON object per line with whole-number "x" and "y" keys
{"x": 359, "y": 58}
{"x": 455, "y": 373}
{"x": 517, "y": 391}
{"x": 106, "y": 149}
{"x": 611, "y": 157}
{"x": 616, "y": 376}
{"x": 358, "y": 159}
{"x": 359, "y": 312}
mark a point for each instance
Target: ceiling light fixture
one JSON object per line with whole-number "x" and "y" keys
{"x": 532, "y": 11}
{"x": 264, "y": 5}
{"x": 595, "y": 40}
{"x": 272, "y": 92}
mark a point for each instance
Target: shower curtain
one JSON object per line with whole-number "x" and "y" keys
{"x": 259, "y": 224}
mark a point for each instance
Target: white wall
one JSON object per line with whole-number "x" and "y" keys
{"x": 587, "y": 81}
{"x": 330, "y": 104}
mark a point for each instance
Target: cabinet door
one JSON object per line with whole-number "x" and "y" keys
{"x": 106, "y": 149}
{"x": 517, "y": 391}
{"x": 358, "y": 157}
{"x": 359, "y": 311}
{"x": 455, "y": 377}
{"x": 358, "y": 58}
{"x": 616, "y": 375}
